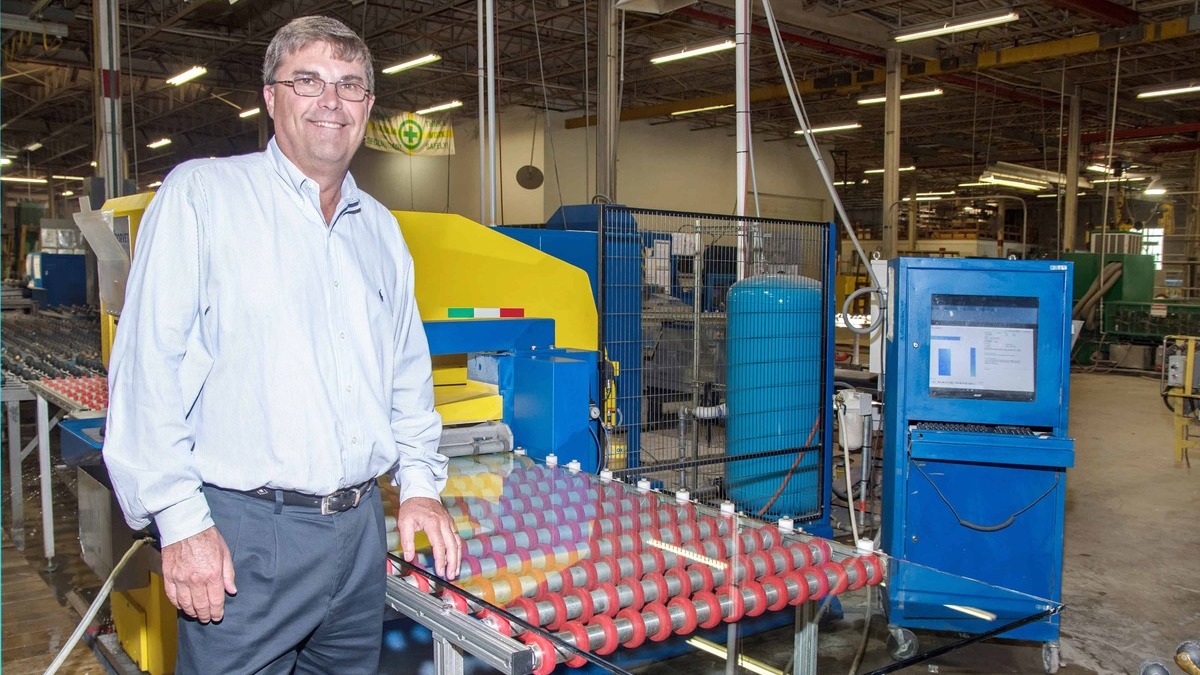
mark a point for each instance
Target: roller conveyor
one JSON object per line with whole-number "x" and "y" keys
{"x": 599, "y": 565}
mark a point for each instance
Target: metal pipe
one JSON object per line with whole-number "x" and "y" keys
{"x": 891, "y": 154}
{"x": 742, "y": 121}
{"x": 493, "y": 172}
{"x": 1071, "y": 197}
{"x": 481, "y": 71}
{"x": 697, "y": 276}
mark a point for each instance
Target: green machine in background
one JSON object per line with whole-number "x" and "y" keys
{"x": 1135, "y": 283}
{"x": 1131, "y": 322}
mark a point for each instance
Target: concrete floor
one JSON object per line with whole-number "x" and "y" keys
{"x": 1133, "y": 529}
{"x": 1132, "y": 540}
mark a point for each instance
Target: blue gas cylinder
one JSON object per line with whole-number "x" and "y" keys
{"x": 773, "y": 396}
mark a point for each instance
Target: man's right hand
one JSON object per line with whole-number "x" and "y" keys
{"x": 197, "y": 573}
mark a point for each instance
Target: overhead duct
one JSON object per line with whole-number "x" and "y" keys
{"x": 1035, "y": 174}
{"x": 652, "y": 6}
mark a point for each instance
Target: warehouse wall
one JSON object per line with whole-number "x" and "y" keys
{"x": 665, "y": 166}
{"x": 669, "y": 166}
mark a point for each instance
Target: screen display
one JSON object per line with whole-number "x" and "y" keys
{"x": 983, "y": 347}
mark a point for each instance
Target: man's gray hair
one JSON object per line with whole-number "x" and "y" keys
{"x": 299, "y": 33}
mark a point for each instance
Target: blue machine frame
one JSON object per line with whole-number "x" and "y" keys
{"x": 942, "y": 508}
{"x": 571, "y": 235}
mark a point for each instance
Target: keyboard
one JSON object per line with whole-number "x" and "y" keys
{"x": 1007, "y": 429}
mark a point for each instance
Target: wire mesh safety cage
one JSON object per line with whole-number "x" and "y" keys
{"x": 720, "y": 329}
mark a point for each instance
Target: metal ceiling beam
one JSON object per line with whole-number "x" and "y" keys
{"x": 21, "y": 23}
{"x": 850, "y": 81}
{"x": 852, "y": 27}
{"x": 1100, "y": 10}
{"x": 1169, "y": 148}
{"x": 1144, "y": 132}
{"x": 822, "y": 45}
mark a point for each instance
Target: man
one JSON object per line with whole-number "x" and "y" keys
{"x": 270, "y": 364}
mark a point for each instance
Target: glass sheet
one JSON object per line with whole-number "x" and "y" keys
{"x": 647, "y": 581}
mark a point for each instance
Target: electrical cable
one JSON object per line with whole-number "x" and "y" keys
{"x": 841, "y": 413}
{"x": 862, "y": 645}
{"x": 789, "y": 78}
{"x": 90, "y": 614}
{"x": 537, "y": 37}
{"x": 783, "y": 484}
{"x": 986, "y": 528}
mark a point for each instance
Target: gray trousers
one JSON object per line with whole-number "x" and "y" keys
{"x": 310, "y": 591}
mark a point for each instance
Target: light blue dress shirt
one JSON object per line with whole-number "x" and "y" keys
{"x": 259, "y": 346}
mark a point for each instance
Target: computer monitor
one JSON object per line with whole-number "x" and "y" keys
{"x": 983, "y": 347}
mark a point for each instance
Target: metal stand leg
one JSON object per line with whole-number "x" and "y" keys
{"x": 804, "y": 642}
{"x": 731, "y": 650}
{"x": 447, "y": 658}
{"x": 12, "y": 410}
{"x": 43, "y": 431}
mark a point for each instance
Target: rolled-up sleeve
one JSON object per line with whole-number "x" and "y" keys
{"x": 158, "y": 365}
{"x": 421, "y": 470}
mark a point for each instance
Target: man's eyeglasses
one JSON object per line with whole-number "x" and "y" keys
{"x": 315, "y": 86}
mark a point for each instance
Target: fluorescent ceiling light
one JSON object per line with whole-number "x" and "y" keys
{"x": 1052, "y": 195}
{"x": 4, "y": 161}
{"x": 188, "y": 75}
{"x": 412, "y": 63}
{"x": 975, "y": 184}
{"x": 954, "y": 25}
{"x": 155, "y": 184}
{"x": 67, "y": 193}
{"x": 19, "y": 179}
{"x": 903, "y": 168}
{"x": 159, "y": 143}
{"x": 33, "y": 146}
{"x": 1099, "y": 168}
{"x": 63, "y": 177}
{"x": 440, "y": 107}
{"x": 1023, "y": 172}
{"x": 924, "y": 93}
{"x": 1171, "y": 90}
{"x": 1123, "y": 179}
{"x": 687, "y": 52}
{"x": 705, "y": 109}
{"x": 928, "y": 198}
{"x": 864, "y": 181}
{"x": 939, "y": 193}
{"x": 249, "y": 113}
{"x": 1013, "y": 181}
{"x": 94, "y": 164}
{"x": 845, "y": 126}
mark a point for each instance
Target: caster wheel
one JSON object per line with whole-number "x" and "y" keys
{"x": 902, "y": 644}
{"x": 1050, "y": 661}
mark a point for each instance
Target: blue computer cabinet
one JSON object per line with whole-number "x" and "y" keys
{"x": 976, "y": 445}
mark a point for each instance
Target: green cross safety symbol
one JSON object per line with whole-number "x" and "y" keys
{"x": 411, "y": 134}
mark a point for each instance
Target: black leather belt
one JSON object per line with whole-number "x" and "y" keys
{"x": 335, "y": 502}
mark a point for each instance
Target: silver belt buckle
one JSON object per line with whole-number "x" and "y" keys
{"x": 329, "y": 502}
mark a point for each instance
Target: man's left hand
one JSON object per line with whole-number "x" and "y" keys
{"x": 429, "y": 516}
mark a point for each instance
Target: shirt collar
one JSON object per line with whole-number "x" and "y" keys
{"x": 297, "y": 180}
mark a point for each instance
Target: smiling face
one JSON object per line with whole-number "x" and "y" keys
{"x": 319, "y": 134}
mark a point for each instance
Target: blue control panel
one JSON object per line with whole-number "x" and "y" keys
{"x": 975, "y": 440}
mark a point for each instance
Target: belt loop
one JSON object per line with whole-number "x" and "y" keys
{"x": 278, "y": 502}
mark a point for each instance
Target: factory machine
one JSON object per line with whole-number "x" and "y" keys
{"x": 976, "y": 445}
{"x": 569, "y": 555}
